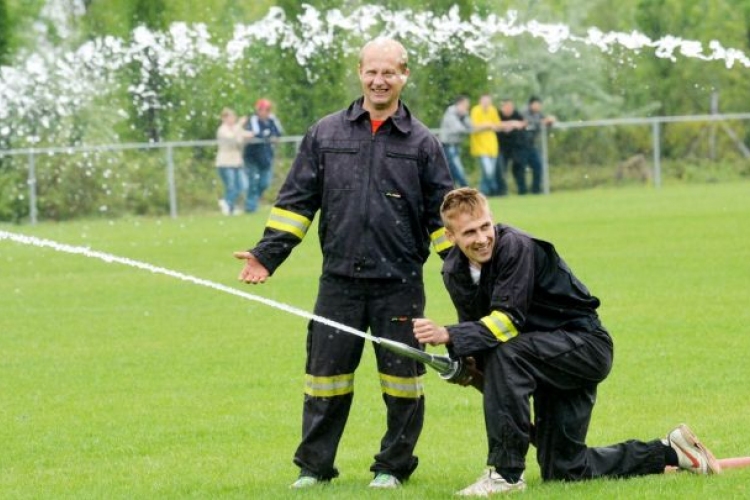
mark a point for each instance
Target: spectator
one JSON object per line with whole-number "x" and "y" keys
{"x": 259, "y": 153}
{"x": 454, "y": 127}
{"x": 512, "y": 138}
{"x": 378, "y": 176}
{"x": 230, "y": 138}
{"x": 536, "y": 121}
{"x": 483, "y": 143}
{"x": 532, "y": 328}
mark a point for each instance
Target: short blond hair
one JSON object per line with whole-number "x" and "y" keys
{"x": 463, "y": 200}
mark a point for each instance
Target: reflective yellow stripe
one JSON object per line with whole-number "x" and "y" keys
{"x": 440, "y": 240}
{"x": 325, "y": 387}
{"x": 500, "y": 325}
{"x": 287, "y": 221}
{"x": 402, "y": 387}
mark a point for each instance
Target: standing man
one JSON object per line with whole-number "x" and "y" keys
{"x": 483, "y": 144}
{"x": 512, "y": 139}
{"x": 259, "y": 152}
{"x": 536, "y": 121}
{"x": 454, "y": 128}
{"x": 533, "y": 330}
{"x": 377, "y": 175}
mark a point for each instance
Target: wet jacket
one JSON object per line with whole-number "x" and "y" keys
{"x": 525, "y": 287}
{"x": 379, "y": 196}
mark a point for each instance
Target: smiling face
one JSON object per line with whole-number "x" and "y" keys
{"x": 383, "y": 74}
{"x": 468, "y": 224}
{"x": 474, "y": 235}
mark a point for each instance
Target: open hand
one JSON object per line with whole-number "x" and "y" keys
{"x": 254, "y": 272}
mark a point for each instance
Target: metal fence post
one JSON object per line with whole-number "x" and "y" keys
{"x": 171, "y": 182}
{"x": 33, "y": 213}
{"x": 656, "y": 131}
{"x": 545, "y": 160}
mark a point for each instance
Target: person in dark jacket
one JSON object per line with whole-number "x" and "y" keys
{"x": 377, "y": 176}
{"x": 511, "y": 138}
{"x": 532, "y": 328}
{"x": 258, "y": 153}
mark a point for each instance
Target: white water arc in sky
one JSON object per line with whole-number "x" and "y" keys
{"x": 63, "y": 80}
{"x": 109, "y": 258}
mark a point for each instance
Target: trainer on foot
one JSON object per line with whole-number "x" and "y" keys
{"x": 533, "y": 330}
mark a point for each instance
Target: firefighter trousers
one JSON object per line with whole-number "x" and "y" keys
{"x": 560, "y": 370}
{"x": 386, "y": 308}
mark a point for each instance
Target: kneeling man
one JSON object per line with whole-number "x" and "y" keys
{"x": 532, "y": 328}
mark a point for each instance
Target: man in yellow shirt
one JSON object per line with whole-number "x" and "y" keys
{"x": 483, "y": 143}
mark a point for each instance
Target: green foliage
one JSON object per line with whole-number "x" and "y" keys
{"x": 5, "y": 33}
{"x": 14, "y": 204}
{"x": 120, "y": 383}
{"x": 577, "y": 81}
{"x": 150, "y": 13}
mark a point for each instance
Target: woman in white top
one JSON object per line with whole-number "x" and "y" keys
{"x": 230, "y": 137}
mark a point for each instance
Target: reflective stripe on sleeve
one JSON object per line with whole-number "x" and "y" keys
{"x": 287, "y": 221}
{"x": 402, "y": 387}
{"x": 326, "y": 387}
{"x": 500, "y": 325}
{"x": 440, "y": 240}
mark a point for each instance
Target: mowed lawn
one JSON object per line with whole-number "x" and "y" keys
{"x": 119, "y": 383}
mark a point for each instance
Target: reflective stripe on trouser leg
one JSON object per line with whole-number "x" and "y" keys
{"x": 393, "y": 304}
{"x": 326, "y": 387}
{"x": 332, "y": 358}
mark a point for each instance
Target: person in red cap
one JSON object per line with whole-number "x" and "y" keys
{"x": 258, "y": 153}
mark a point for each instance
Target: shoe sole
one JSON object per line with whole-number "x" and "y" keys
{"x": 712, "y": 465}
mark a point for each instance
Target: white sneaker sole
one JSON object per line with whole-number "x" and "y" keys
{"x": 712, "y": 465}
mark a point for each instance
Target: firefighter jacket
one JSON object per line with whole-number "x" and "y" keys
{"x": 379, "y": 196}
{"x": 525, "y": 287}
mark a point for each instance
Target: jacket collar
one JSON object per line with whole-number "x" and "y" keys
{"x": 401, "y": 119}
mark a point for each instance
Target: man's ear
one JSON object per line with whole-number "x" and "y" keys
{"x": 449, "y": 234}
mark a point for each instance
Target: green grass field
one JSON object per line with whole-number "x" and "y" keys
{"x": 119, "y": 383}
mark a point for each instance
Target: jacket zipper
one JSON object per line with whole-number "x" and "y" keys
{"x": 366, "y": 197}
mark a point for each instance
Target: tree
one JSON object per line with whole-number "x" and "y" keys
{"x": 453, "y": 72}
{"x": 4, "y": 33}
{"x": 150, "y": 94}
{"x": 304, "y": 91}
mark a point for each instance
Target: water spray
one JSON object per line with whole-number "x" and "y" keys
{"x": 449, "y": 369}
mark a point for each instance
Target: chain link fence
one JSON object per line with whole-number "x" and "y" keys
{"x": 56, "y": 183}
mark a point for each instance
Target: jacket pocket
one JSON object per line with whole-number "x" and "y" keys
{"x": 340, "y": 167}
{"x": 335, "y": 236}
{"x": 397, "y": 210}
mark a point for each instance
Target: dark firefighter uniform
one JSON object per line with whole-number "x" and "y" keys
{"x": 379, "y": 197}
{"x": 532, "y": 326}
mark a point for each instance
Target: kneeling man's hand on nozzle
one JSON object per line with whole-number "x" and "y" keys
{"x": 427, "y": 332}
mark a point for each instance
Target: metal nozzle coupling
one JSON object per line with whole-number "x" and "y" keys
{"x": 449, "y": 369}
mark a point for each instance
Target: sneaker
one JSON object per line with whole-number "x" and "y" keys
{"x": 224, "y": 206}
{"x": 490, "y": 483}
{"x": 305, "y": 481}
{"x": 385, "y": 481}
{"x": 691, "y": 454}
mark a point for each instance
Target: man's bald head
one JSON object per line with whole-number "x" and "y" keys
{"x": 384, "y": 45}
